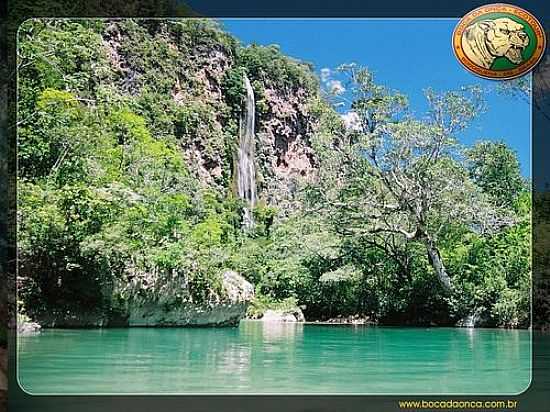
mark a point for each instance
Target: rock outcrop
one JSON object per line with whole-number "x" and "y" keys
{"x": 224, "y": 314}
{"x": 228, "y": 312}
{"x": 238, "y": 291}
{"x": 28, "y": 328}
{"x": 290, "y": 315}
{"x": 237, "y": 288}
{"x": 474, "y": 320}
{"x": 197, "y": 59}
{"x": 283, "y": 147}
{"x": 25, "y": 326}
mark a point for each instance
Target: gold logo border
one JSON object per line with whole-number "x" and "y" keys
{"x": 524, "y": 67}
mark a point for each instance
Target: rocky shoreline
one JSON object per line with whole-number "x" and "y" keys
{"x": 346, "y": 320}
{"x": 228, "y": 312}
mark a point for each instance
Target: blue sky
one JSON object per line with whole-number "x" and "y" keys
{"x": 404, "y": 54}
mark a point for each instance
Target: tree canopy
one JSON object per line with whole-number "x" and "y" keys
{"x": 399, "y": 221}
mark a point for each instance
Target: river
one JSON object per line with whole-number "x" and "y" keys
{"x": 278, "y": 358}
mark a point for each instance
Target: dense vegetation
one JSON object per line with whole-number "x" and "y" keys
{"x": 400, "y": 224}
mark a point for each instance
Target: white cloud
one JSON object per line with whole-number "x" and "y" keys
{"x": 335, "y": 87}
{"x": 352, "y": 121}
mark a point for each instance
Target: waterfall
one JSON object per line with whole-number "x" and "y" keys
{"x": 246, "y": 170}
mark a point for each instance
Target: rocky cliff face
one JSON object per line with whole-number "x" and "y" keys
{"x": 148, "y": 94}
{"x": 190, "y": 92}
{"x": 200, "y": 59}
{"x": 283, "y": 143}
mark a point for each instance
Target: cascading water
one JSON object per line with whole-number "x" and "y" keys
{"x": 246, "y": 170}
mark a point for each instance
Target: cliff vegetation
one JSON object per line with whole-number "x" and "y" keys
{"x": 127, "y": 136}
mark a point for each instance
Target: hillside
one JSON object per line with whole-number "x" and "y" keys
{"x": 128, "y": 156}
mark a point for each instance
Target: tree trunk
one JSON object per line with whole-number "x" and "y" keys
{"x": 437, "y": 263}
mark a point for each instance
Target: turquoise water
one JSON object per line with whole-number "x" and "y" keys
{"x": 259, "y": 357}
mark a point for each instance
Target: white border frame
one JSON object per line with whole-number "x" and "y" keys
{"x": 216, "y": 394}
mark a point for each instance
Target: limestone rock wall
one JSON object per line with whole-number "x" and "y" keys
{"x": 283, "y": 145}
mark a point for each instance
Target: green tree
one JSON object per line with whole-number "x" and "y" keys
{"x": 494, "y": 167}
{"x": 402, "y": 178}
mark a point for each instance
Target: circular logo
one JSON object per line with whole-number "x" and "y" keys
{"x": 499, "y": 41}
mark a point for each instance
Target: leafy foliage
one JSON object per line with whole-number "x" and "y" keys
{"x": 113, "y": 212}
{"x": 495, "y": 168}
{"x": 269, "y": 64}
{"x": 394, "y": 185}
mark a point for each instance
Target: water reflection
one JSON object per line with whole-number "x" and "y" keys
{"x": 471, "y": 337}
{"x": 276, "y": 358}
{"x": 272, "y": 331}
